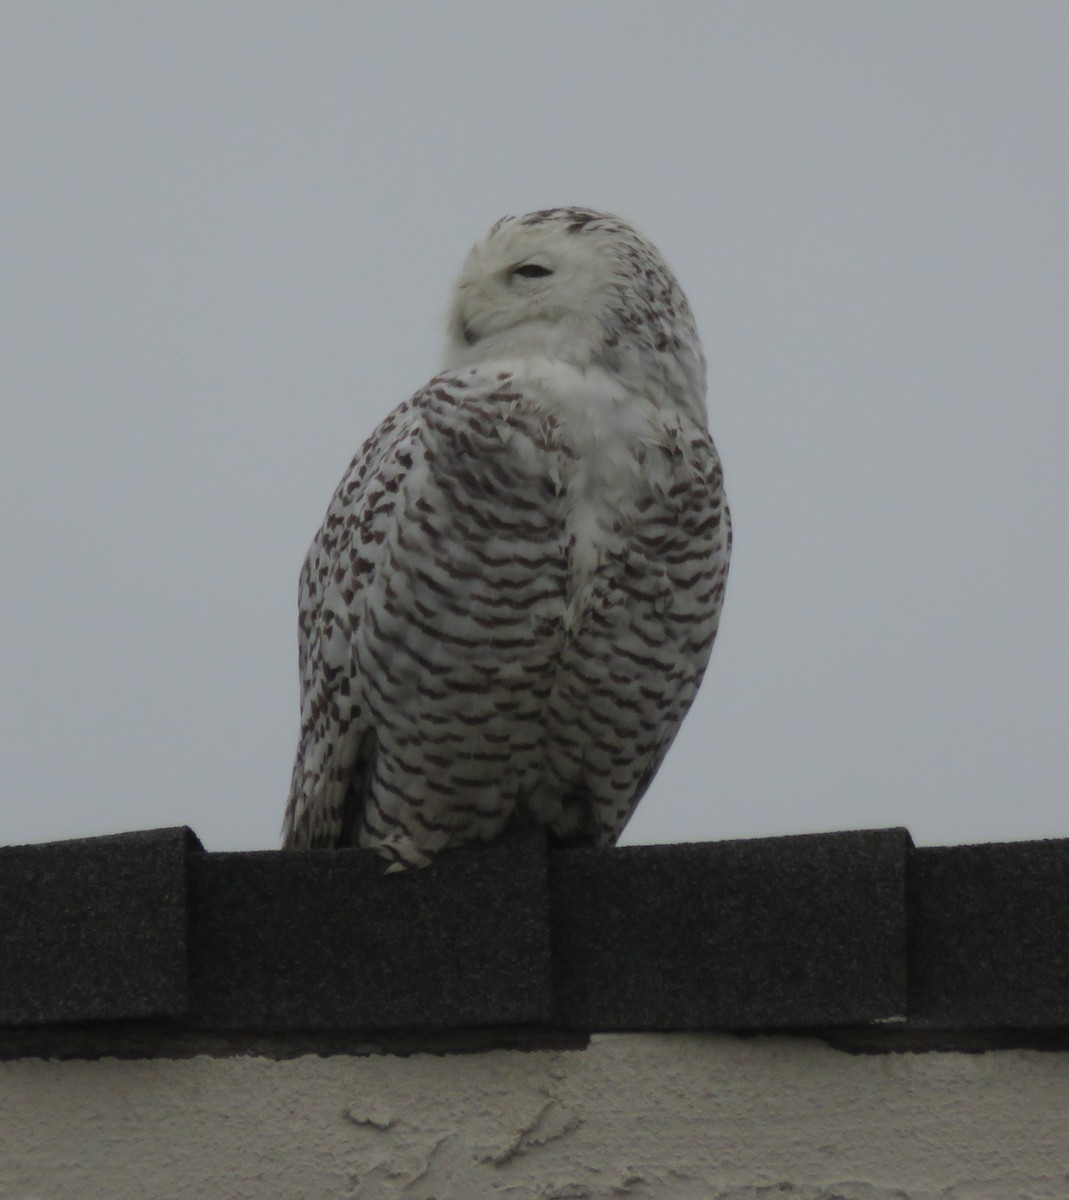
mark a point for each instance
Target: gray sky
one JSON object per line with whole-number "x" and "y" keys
{"x": 228, "y": 235}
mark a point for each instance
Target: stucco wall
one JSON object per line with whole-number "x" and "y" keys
{"x": 665, "y": 1117}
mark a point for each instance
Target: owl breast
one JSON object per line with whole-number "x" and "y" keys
{"x": 594, "y": 523}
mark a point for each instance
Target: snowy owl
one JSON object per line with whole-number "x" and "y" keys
{"x": 514, "y": 594}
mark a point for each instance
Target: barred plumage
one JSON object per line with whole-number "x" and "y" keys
{"x": 512, "y": 600}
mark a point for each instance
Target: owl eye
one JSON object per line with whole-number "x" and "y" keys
{"x": 531, "y": 271}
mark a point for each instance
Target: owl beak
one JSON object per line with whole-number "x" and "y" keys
{"x": 469, "y": 334}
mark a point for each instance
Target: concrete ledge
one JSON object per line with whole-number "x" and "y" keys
{"x": 94, "y": 929}
{"x": 144, "y": 940}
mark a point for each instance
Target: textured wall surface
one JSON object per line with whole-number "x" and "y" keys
{"x": 671, "y": 1117}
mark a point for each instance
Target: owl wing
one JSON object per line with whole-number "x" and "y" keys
{"x": 335, "y": 738}
{"x": 424, "y": 604}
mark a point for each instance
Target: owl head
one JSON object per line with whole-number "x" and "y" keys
{"x": 581, "y": 287}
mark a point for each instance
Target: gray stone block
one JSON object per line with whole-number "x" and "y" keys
{"x": 772, "y": 933}
{"x": 324, "y": 939}
{"x": 94, "y": 929}
{"x": 990, "y": 945}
